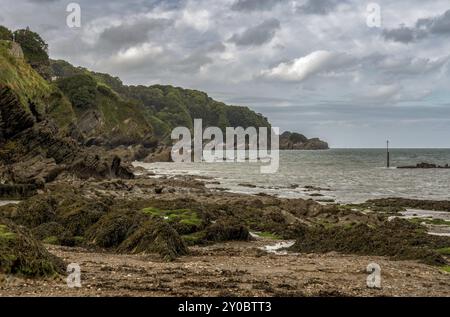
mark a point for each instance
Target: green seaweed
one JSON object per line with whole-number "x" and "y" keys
{"x": 183, "y": 216}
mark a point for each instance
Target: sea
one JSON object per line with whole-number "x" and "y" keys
{"x": 340, "y": 175}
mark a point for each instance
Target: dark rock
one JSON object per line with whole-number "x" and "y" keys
{"x": 424, "y": 166}
{"x": 35, "y": 151}
{"x": 224, "y": 230}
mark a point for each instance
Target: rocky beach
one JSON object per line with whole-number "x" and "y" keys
{"x": 75, "y": 191}
{"x": 171, "y": 236}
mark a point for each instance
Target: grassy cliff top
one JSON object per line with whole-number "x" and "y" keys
{"x": 16, "y": 73}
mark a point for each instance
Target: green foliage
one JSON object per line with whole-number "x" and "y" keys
{"x": 35, "y": 50}
{"x": 444, "y": 251}
{"x": 5, "y": 234}
{"x": 51, "y": 240}
{"x": 179, "y": 107}
{"x": 60, "y": 108}
{"x": 430, "y": 221}
{"x": 183, "y": 216}
{"x": 81, "y": 90}
{"x": 297, "y": 138}
{"x": 64, "y": 69}
{"x": 446, "y": 268}
{"x": 5, "y": 33}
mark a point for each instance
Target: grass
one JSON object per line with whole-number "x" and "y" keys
{"x": 436, "y": 222}
{"x": 51, "y": 240}
{"x": 21, "y": 77}
{"x": 193, "y": 238}
{"x": 444, "y": 251}
{"x": 183, "y": 216}
{"x": 5, "y": 234}
{"x": 446, "y": 268}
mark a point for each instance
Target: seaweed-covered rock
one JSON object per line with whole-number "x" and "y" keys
{"x": 21, "y": 253}
{"x": 113, "y": 228}
{"x": 35, "y": 211}
{"x": 398, "y": 239}
{"x": 400, "y": 204}
{"x": 224, "y": 230}
{"x": 78, "y": 217}
{"x": 155, "y": 236}
{"x": 49, "y": 232}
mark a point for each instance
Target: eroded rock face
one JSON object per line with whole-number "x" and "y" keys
{"x": 12, "y": 119}
{"x": 34, "y": 151}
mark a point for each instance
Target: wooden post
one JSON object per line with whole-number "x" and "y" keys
{"x": 388, "y": 159}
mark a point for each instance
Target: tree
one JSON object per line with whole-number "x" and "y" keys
{"x": 35, "y": 50}
{"x": 5, "y": 33}
{"x": 81, "y": 90}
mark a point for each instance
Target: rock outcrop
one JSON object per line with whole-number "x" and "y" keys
{"x": 424, "y": 166}
{"x": 33, "y": 151}
{"x": 296, "y": 141}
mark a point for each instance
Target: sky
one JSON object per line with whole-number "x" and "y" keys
{"x": 311, "y": 66}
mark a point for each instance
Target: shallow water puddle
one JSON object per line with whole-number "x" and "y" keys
{"x": 278, "y": 248}
{"x": 9, "y": 202}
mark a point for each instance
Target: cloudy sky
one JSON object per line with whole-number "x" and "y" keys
{"x": 313, "y": 66}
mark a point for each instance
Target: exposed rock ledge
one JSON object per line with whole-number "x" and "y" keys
{"x": 425, "y": 166}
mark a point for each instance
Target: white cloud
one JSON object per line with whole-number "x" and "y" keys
{"x": 197, "y": 19}
{"x": 304, "y": 67}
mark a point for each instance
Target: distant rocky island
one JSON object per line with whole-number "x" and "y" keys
{"x": 297, "y": 141}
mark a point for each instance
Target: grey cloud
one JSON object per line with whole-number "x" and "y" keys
{"x": 131, "y": 33}
{"x": 257, "y": 35}
{"x": 193, "y": 63}
{"x": 319, "y": 7}
{"x": 411, "y": 66}
{"x": 254, "y": 5}
{"x": 402, "y": 34}
{"x": 438, "y": 25}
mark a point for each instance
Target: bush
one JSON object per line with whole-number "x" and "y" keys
{"x": 81, "y": 90}
{"x": 5, "y": 34}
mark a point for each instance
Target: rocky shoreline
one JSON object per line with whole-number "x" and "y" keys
{"x": 174, "y": 225}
